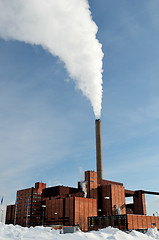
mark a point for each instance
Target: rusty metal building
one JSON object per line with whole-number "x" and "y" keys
{"x": 27, "y": 210}
{"x": 102, "y": 204}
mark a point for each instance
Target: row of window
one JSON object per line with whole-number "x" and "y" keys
{"x": 19, "y": 198}
{"x": 28, "y": 193}
{"x": 28, "y": 197}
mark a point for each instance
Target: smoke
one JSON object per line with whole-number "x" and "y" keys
{"x": 84, "y": 187}
{"x": 83, "y": 183}
{"x": 65, "y": 28}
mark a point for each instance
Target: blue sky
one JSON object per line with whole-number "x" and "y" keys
{"x": 47, "y": 125}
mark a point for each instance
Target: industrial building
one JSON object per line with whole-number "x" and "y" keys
{"x": 99, "y": 204}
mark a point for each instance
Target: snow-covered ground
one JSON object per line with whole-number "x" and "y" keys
{"x": 10, "y": 232}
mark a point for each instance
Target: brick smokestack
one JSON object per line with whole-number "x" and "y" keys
{"x": 99, "y": 158}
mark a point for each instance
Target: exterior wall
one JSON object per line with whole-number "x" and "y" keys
{"x": 105, "y": 206}
{"x": 139, "y": 203}
{"x": 59, "y": 211}
{"x": 102, "y": 182}
{"x": 40, "y": 186}
{"x": 80, "y": 194}
{"x": 84, "y": 208}
{"x": 10, "y": 213}
{"x": 116, "y": 195}
{"x": 55, "y": 191}
{"x": 35, "y": 208}
{"x": 118, "y": 199}
{"x": 21, "y": 210}
{"x": 124, "y": 222}
{"x": 91, "y": 180}
{"x": 142, "y": 222}
{"x": 99, "y": 188}
{"x": 28, "y": 207}
{"x": 117, "y": 221}
{"x": 61, "y": 191}
{"x": 70, "y": 211}
{"x": 54, "y": 212}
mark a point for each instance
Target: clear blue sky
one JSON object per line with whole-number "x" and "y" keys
{"x": 47, "y": 126}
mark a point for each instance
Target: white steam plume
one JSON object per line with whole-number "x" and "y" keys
{"x": 66, "y": 29}
{"x": 84, "y": 187}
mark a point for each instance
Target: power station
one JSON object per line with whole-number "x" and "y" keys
{"x": 103, "y": 204}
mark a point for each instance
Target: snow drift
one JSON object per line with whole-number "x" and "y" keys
{"x": 10, "y": 232}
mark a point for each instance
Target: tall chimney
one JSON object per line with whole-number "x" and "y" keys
{"x": 99, "y": 158}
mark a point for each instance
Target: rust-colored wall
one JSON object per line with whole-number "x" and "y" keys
{"x": 36, "y": 210}
{"x": 118, "y": 199}
{"x": 70, "y": 211}
{"x": 99, "y": 188}
{"x": 116, "y": 194}
{"x": 60, "y": 191}
{"x": 40, "y": 186}
{"x": 84, "y": 208}
{"x": 33, "y": 197}
{"x": 54, "y": 212}
{"x": 59, "y": 211}
{"x": 139, "y": 203}
{"x": 91, "y": 181}
{"x": 79, "y": 194}
{"x": 142, "y": 222}
{"x": 10, "y": 213}
{"x": 105, "y": 204}
{"x": 22, "y": 197}
{"x": 124, "y": 222}
{"x": 102, "y": 182}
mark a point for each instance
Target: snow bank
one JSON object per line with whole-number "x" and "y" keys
{"x": 10, "y": 232}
